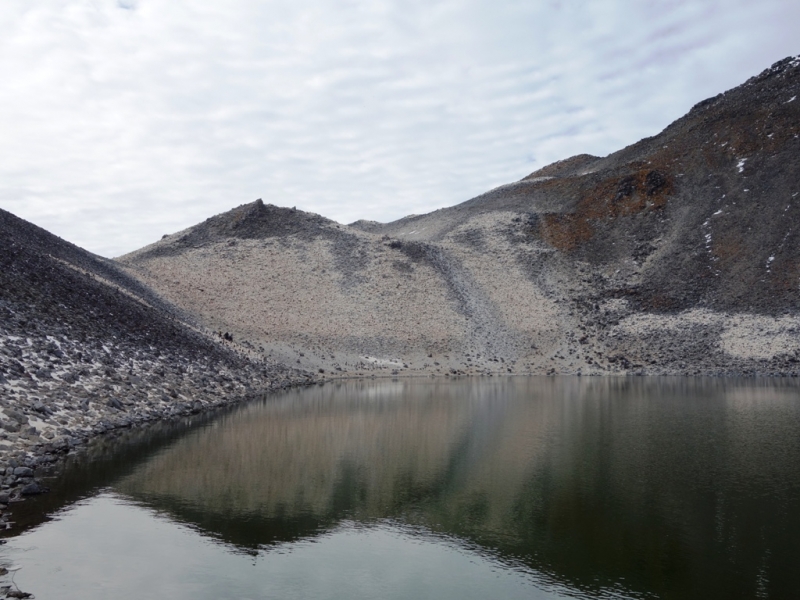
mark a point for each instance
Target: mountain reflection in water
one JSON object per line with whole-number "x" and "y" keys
{"x": 671, "y": 488}
{"x": 474, "y": 488}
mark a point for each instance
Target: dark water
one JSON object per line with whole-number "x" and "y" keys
{"x": 515, "y": 488}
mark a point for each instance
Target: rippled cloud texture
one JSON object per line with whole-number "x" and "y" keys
{"x": 122, "y": 120}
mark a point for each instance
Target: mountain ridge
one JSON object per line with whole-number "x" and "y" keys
{"x": 692, "y": 225}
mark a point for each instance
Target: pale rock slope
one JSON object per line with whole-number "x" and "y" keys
{"x": 679, "y": 254}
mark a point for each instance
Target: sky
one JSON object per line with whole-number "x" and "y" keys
{"x": 123, "y": 120}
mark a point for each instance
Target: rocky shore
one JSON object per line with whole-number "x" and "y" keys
{"x": 58, "y": 393}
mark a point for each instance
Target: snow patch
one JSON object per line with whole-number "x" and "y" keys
{"x": 740, "y": 164}
{"x": 742, "y": 335}
{"x": 383, "y": 362}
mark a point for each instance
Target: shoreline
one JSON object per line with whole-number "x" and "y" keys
{"x": 26, "y": 458}
{"x": 59, "y": 392}
{"x": 24, "y": 464}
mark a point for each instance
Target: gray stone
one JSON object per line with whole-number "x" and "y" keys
{"x": 32, "y": 489}
{"x": 18, "y": 416}
{"x": 11, "y": 426}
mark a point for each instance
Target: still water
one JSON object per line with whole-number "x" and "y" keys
{"x": 474, "y": 488}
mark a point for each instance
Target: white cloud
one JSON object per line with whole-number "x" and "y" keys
{"x": 123, "y": 120}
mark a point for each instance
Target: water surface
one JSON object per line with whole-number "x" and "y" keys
{"x": 474, "y": 488}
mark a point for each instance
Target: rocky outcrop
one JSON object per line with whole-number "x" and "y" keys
{"x": 677, "y": 255}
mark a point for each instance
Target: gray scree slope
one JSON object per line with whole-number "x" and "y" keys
{"x": 677, "y": 255}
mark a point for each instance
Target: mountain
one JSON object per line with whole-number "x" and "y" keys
{"x": 676, "y": 255}
{"x": 85, "y": 348}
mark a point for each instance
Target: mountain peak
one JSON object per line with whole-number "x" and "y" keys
{"x": 254, "y": 220}
{"x": 778, "y": 69}
{"x": 259, "y": 220}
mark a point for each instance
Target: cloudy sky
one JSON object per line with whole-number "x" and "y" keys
{"x": 122, "y": 120}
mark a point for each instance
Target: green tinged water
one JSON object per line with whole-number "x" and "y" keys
{"x": 474, "y": 488}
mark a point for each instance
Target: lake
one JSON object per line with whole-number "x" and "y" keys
{"x": 472, "y": 488}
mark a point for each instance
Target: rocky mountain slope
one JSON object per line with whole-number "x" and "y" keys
{"x": 85, "y": 348}
{"x": 677, "y": 255}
